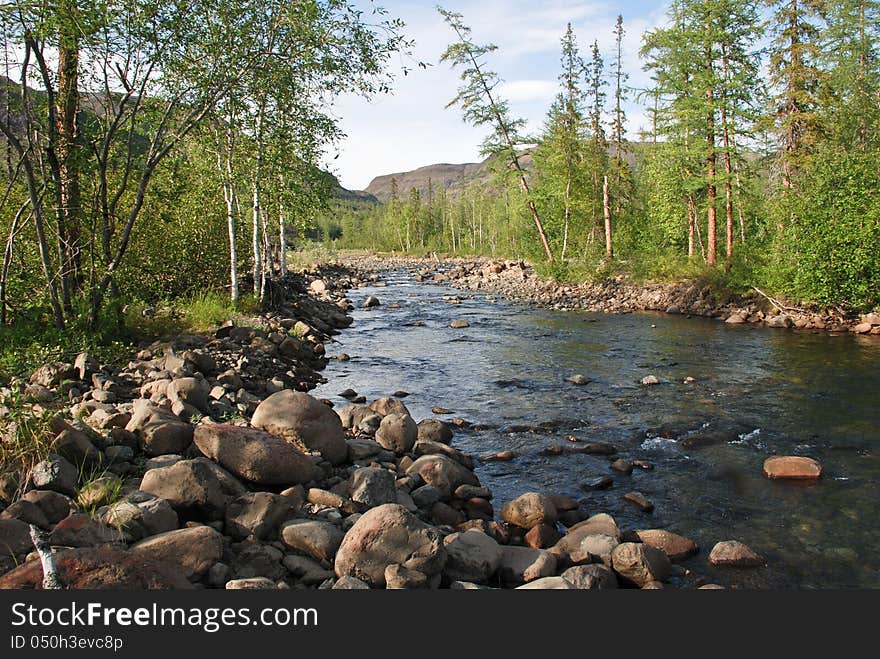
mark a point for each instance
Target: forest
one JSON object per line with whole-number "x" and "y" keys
{"x": 759, "y": 167}
{"x": 160, "y": 152}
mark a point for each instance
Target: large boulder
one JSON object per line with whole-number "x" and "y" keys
{"x": 529, "y": 510}
{"x": 792, "y": 467}
{"x": 577, "y": 549}
{"x": 443, "y": 473}
{"x": 100, "y": 568}
{"x": 315, "y": 538}
{"x": 254, "y": 455}
{"x": 599, "y": 524}
{"x": 192, "y": 488}
{"x": 640, "y": 564}
{"x": 471, "y": 556}
{"x": 193, "y": 550}
{"x": 158, "y": 430}
{"x": 397, "y": 433}
{"x": 303, "y": 421}
{"x": 388, "y": 535}
{"x": 76, "y": 447}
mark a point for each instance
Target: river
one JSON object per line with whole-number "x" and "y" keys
{"x": 756, "y": 392}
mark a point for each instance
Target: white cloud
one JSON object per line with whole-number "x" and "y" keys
{"x": 411, "y": 128}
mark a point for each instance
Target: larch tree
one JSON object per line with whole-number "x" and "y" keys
{"x": 482, "y": 106}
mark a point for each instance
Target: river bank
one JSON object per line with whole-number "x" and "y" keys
{"x": 203, "y": 463}
{"x": 516, "y": 280}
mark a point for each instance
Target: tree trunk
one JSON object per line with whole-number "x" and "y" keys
{"x": 609, "y": 249}
{"x": 282, "y": 239}
{"x": 692, "y": 219}
{"x": 255, "y": 236}
{"x": 66, "y": 108}
{"x": 567, "y": 217}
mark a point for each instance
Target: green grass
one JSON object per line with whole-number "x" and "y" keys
{"x": 27, "y": 438}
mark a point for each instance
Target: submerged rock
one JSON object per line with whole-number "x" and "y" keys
{"x": 792, "y": 467}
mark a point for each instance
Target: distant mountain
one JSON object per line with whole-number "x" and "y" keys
{"x": 453, "y": 178}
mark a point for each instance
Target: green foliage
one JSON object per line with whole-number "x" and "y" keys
{"x": 27, "y": 438}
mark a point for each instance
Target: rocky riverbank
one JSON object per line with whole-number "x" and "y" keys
{"x": 518, "y": 281}
{"x": 204, "y": 463}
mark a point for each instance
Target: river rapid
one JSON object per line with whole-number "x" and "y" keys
{"x": 756, "y": 392}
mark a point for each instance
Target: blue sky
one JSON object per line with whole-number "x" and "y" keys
{"x": 410, "y": 127}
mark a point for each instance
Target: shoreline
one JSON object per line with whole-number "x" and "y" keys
{"x": 517, "y": 281}
{"x": 202, "y": 463}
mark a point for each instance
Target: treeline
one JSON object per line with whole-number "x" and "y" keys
{"x": 761, "y": 160}
{"x": 157, "y": 148}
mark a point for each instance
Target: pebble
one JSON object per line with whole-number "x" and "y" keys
{"x": 640, "y": 500}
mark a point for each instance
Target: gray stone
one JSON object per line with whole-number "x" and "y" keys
{"x": 190, "y": 486}
{"x": 434, "y": 430}
{"x": 640, "y": 564}
{"x": 194, "y": 550}
{"x": 373, "y": 486}
{"x": 256, "y": 514}
{"x": 524, "y": 564}
{"x": 443, "y": 473}
{"x": 591, "y": 577}
{"x": 397, "y": 433}
{"x": 158, "y": 430}
{"x": 56, "y": 474}
{"x": 471, "y": 556}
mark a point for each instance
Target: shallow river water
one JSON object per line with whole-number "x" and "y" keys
{"x": 757, "y": 392}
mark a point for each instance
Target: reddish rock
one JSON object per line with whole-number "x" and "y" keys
{"x": 97, "y": 569}
{"x": 792, "y": 467}
{"x": 542, "y": 536}
{"x": 529, "y": 510}
{"x": 677, "y": 547}
{"x": 639, "y": 499}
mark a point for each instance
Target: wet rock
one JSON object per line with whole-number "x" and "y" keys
{"x": 388, "y": 535}
{"x": 80, "y": 530}
{"x": 434, "y": 430}
{"x": 783, "y": 321}
{"x": 100, "y": 568}
{"x": 676, "y": 547}
{"x": 426, "y": 447}
{"x": 529, "y": 510}
{"x": 640, "y": 564}
{"x": 732, "y": 553}
{"x": 650, "y": 380}
{"x": 459, "y": 324}
{"x": 471, "y": 556}
{"x": 194, "y": 550}
{"x": 303, "y": 421}
{"x": 598, "y": 483}
{"x": 440, "y": 410}
{"x": 397, "y": 433}
{"x": 371, "y": 301}
{"x": 473, "y": 491}
{"x": 158, "y": 430}
{"x": 387, "y": 405}
{"x": 639, "y": 500}
{"x": 373, "y": 486}
{"x": 348, "y": 394}
{"x": 317, "y": 539}
{"x": 578, "y": 379}
{"x": 443, "y": 473}
{"x": 56, "y": 474}
{"x": 191, "y": 487}
{"x": 792, "y": 467}
{"x": 256, "y": 514}
{"x": 398, "y": 577}
{"x": 591, "y": 577}
{"x": 254, "y": 455}
{"x": 622, "y": 466}
{"x": 524, "y": 564}
{"x": 548, "y": 583}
